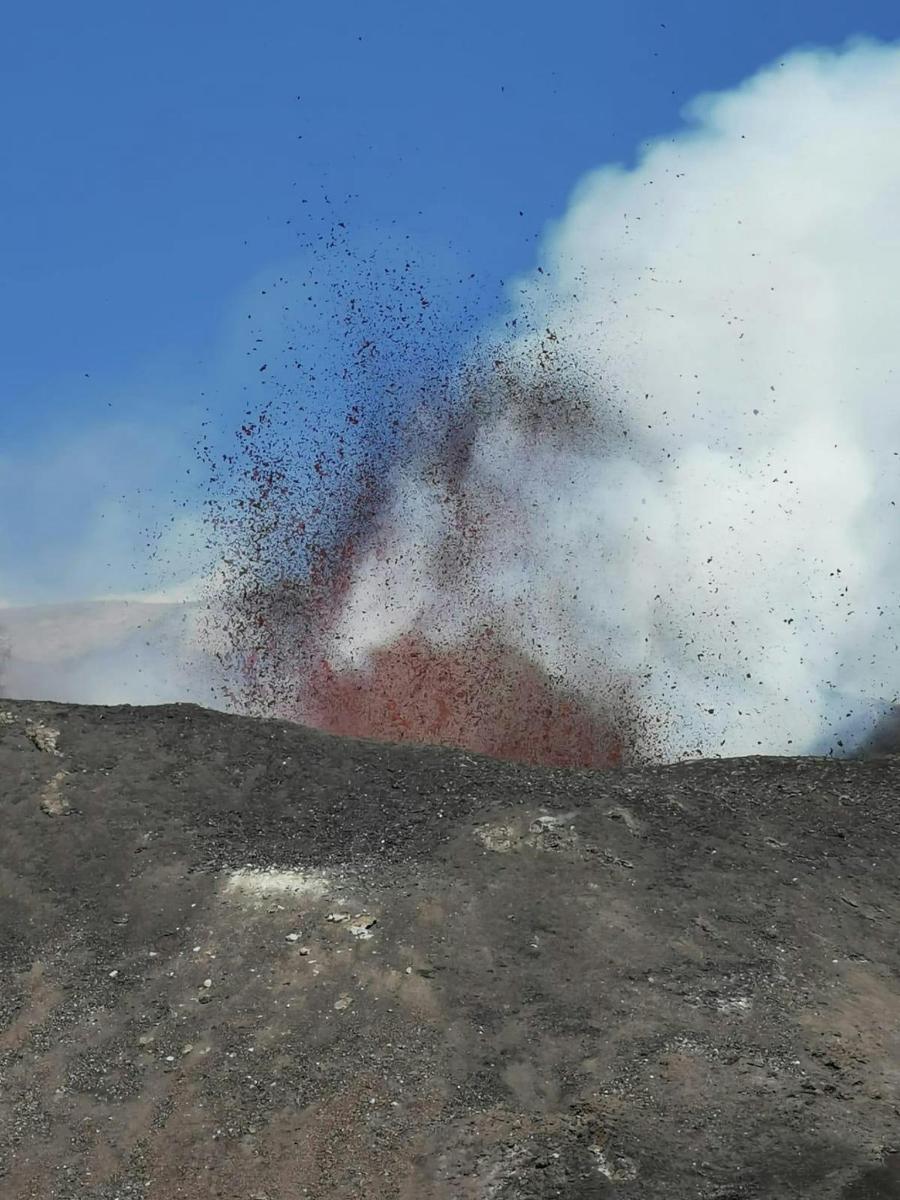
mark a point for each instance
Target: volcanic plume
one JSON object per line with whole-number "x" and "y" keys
{"x": 304, "y": 566}
{"x": 651, "y": 511}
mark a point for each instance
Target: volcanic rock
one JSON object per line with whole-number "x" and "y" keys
{"x": 668, "y": 982}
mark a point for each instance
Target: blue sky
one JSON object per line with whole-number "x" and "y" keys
{"x": 160, "y": 161}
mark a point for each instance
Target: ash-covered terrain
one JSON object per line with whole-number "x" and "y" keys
{"x": 244, "y": 960}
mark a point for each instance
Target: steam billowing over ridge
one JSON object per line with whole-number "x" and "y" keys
{"x": 666, "y": 483}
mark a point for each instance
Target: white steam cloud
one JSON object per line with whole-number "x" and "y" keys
{"x": 726, "y": 537}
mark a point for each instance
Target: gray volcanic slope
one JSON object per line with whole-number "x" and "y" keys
{"x": 244, "y": 960}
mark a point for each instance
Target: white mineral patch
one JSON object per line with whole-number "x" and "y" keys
{"x": 254, "y": 885}
{"x": 499, "y": 838}
{"x": 52, "y": 802}
{"x": 43, "y": 736}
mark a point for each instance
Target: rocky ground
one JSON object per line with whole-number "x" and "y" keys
{"x": 243, "y": 960}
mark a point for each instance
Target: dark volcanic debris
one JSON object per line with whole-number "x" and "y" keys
{"x": 242, "y": 959}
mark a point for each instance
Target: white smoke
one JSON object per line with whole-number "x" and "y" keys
{"x": 726, "y": 534}
{"x": 105, "y": 652}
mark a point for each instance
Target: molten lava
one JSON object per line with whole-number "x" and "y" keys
{"x": 479, "y": 695}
